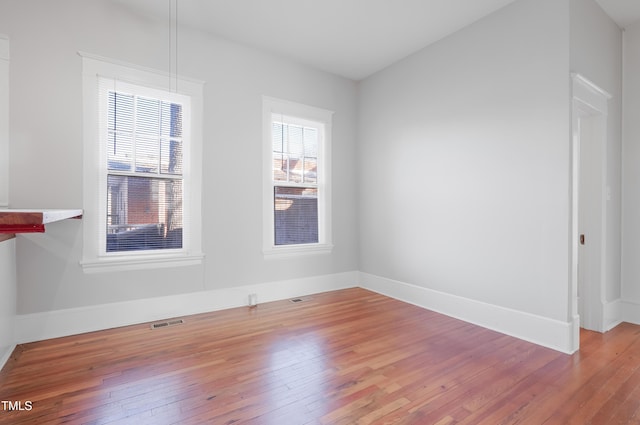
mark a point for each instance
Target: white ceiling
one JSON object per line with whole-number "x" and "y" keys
{"x": 352, "y": 38}
{"x": 623, "y": 12}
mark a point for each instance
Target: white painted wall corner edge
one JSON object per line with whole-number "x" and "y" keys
{"x": 539, "y": 330}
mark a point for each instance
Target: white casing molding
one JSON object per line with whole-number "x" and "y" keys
{"x": 539, "y": 330}
{"x": 53, "y": 324}
{"x": 589, "y": 102}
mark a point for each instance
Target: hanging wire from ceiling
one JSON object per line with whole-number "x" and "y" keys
{"x": 173, "y": 45}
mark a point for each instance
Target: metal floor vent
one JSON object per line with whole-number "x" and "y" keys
{"x": 297, "y": 300}
{"x": 166, "y": 324}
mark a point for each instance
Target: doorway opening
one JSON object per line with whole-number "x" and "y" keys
{"x": 589, "y": 196}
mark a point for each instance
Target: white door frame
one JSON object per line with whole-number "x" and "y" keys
{"x": 588, "y": 101}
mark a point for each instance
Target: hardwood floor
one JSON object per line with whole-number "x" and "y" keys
{"x": 344, "y": 357}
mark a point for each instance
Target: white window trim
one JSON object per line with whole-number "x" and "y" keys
{"x": 270, "y": 106}
{"x": 94, "y": 258}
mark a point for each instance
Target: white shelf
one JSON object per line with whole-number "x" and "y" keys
{"x": 14, "y": 221}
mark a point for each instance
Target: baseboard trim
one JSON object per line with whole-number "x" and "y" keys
{"x": 539, "y": 330}
{"x": 536, "y": 329}
{"x": 630, "y": 312}
{"x": 6, "y": 355}
{"x": 58, "y": 323}
{"x": 613, "y": 314}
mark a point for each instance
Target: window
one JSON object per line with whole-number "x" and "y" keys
{"x": 143, "y": 137}
{"x": 142, "y": 168}
{"x": 297, "y": 180}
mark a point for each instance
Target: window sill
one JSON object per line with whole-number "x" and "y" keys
{"x": 297, "y": 250}
{"x": 140, "y": 262}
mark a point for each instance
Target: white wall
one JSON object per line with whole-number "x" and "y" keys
{"x": 631, "y": 174}
{"x": 46, "y": 151}
{"x": 7, "y": 248}
{"x": 8, "y": 298}
{"x": 458, "y": 185}
{"x": 464, "y": 172}
{"x": 596, "y": 53}
{"x": 4, "y": 121}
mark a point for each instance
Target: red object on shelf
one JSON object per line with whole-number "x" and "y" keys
{"x": 22, "y": 228}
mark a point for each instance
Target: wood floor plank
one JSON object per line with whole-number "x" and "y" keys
{"x": 342, "y": 357}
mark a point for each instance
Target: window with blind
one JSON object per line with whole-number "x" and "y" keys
{"x": 144, "y": 144}
{"x": 297, "y": 203}
{"x": 142, "y": 167}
